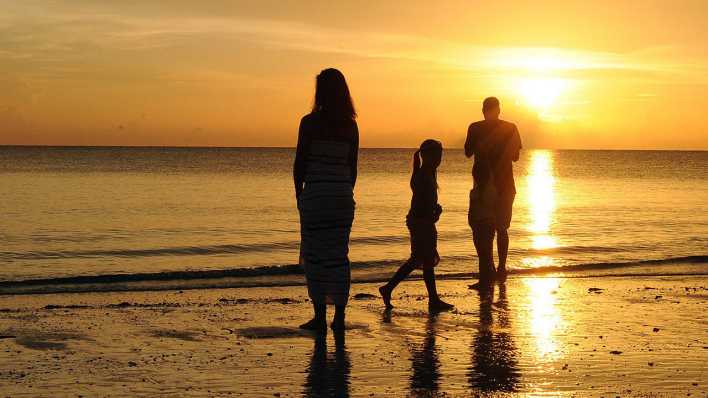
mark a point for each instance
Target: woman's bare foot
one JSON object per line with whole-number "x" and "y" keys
{"x": 315, "y": 324}
{"x": 386, "y": 295}
{"x": 439, "y": 305}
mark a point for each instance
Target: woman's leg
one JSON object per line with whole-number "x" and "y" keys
{"x": 434, "y": 302}
{"x": 402, "y": 273}
{"x": 319, "y": 322}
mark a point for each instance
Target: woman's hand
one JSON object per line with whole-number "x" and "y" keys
{"x": 437, "y": 212}
{"x": 298, "y": 191}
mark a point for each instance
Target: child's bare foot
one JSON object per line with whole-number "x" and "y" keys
{"x": 386, "y": 295}
{"x": 439, "y": 305}
{"x": 319, "y": 325}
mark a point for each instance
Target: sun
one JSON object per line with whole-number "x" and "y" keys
{"x": 540, "y": 94}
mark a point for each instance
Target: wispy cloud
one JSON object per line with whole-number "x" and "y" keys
{"x": 48, "y": 40}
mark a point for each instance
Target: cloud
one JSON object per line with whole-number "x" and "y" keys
{"x": 39, "y": 38}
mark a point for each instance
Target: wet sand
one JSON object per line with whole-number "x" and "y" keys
{"x": 540, "y": 336}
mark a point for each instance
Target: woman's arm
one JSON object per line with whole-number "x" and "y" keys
{"x": 300, "y": 158}
{"x": 353, "y": 156}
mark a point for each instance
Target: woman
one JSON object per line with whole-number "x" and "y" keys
{"x": 325, "y": 174}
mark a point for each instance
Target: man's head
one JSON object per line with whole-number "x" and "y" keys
{"x": 490, "y": 108}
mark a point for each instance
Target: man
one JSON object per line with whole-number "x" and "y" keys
{"x": 495, "y": 144}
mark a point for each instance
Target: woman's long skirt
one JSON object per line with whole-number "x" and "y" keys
{"x": 326, "y": 216}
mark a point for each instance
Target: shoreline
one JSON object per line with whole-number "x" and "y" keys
{"x": 292, "y": 275}
{"x": 543, "y": 336}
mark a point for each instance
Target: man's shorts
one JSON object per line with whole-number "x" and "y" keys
{"x": 505, "y": 206}
{"x": 488, "y": 208}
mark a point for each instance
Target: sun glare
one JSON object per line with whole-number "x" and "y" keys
{"x": 540, "y": 94}
{"x": 537, "y": 77}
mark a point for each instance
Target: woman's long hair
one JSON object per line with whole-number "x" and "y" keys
{"x": 428, "y": 145}
{"x": 332, "y": 98}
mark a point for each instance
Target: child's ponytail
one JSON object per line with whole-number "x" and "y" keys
{"x": 426, "y": 146}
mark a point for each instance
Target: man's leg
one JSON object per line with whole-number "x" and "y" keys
{"x": 503, "y": 222}
{"x": 502, "y": 251}
{"x": 483, "y": 236}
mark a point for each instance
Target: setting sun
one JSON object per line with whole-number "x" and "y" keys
{"x": 540, "y": 94}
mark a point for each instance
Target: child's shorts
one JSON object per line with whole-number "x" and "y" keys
{"x": 424, "y": 242}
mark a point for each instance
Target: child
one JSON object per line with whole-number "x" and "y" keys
{"x": 424, "y": 213}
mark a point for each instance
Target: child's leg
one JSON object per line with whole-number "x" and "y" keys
{"x": 434, "y": 302}
{"x": 319, "y": 322}
{"x": 403, "y": 272}
{"x": 429, "y": 278}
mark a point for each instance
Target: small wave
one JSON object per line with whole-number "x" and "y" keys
{"x": 611, "y": 265}
{"x": 265, "y": 248}
{"x": 160, "y": 276}
{"x": 184, "y": 251}
{"x": 167, "y": 251}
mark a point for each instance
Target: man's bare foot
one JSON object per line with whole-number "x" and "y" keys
{"x": 319, "y": 325}
{"x": 502, "y": 274}
{"x": 481, "y": 285}
{"x": 337, "y": 324}
{"x": 439, "y": 305}
{"x": 386, "y": 296}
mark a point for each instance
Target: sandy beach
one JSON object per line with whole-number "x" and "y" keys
{"x": 540, "y": 336}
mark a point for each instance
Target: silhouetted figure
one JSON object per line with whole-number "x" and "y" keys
{"x": 425, "y": 379}
{"x": 494, "y": 355}
{"x": 424, "y": 213}
{"x": 495, "y": 144}
{"x": 325, "y": 172}
{"x": 328, "y": 376}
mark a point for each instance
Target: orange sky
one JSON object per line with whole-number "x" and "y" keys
{"x": 628, "y": 74}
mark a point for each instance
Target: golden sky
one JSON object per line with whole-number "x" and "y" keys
{"x": 600, "y": 74}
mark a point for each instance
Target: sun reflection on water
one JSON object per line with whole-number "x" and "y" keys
{"x": 541, "y": 200}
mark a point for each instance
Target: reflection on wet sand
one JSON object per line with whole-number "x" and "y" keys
{"x": 425, "y": 378}
{"x": 544, "y": 318}
{"x": 327, "y": 375}
{"x": 494, "y": 364}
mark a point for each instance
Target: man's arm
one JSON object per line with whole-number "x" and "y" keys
{"x": 517, "y": 145}
{"x": 469, "y": 143}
